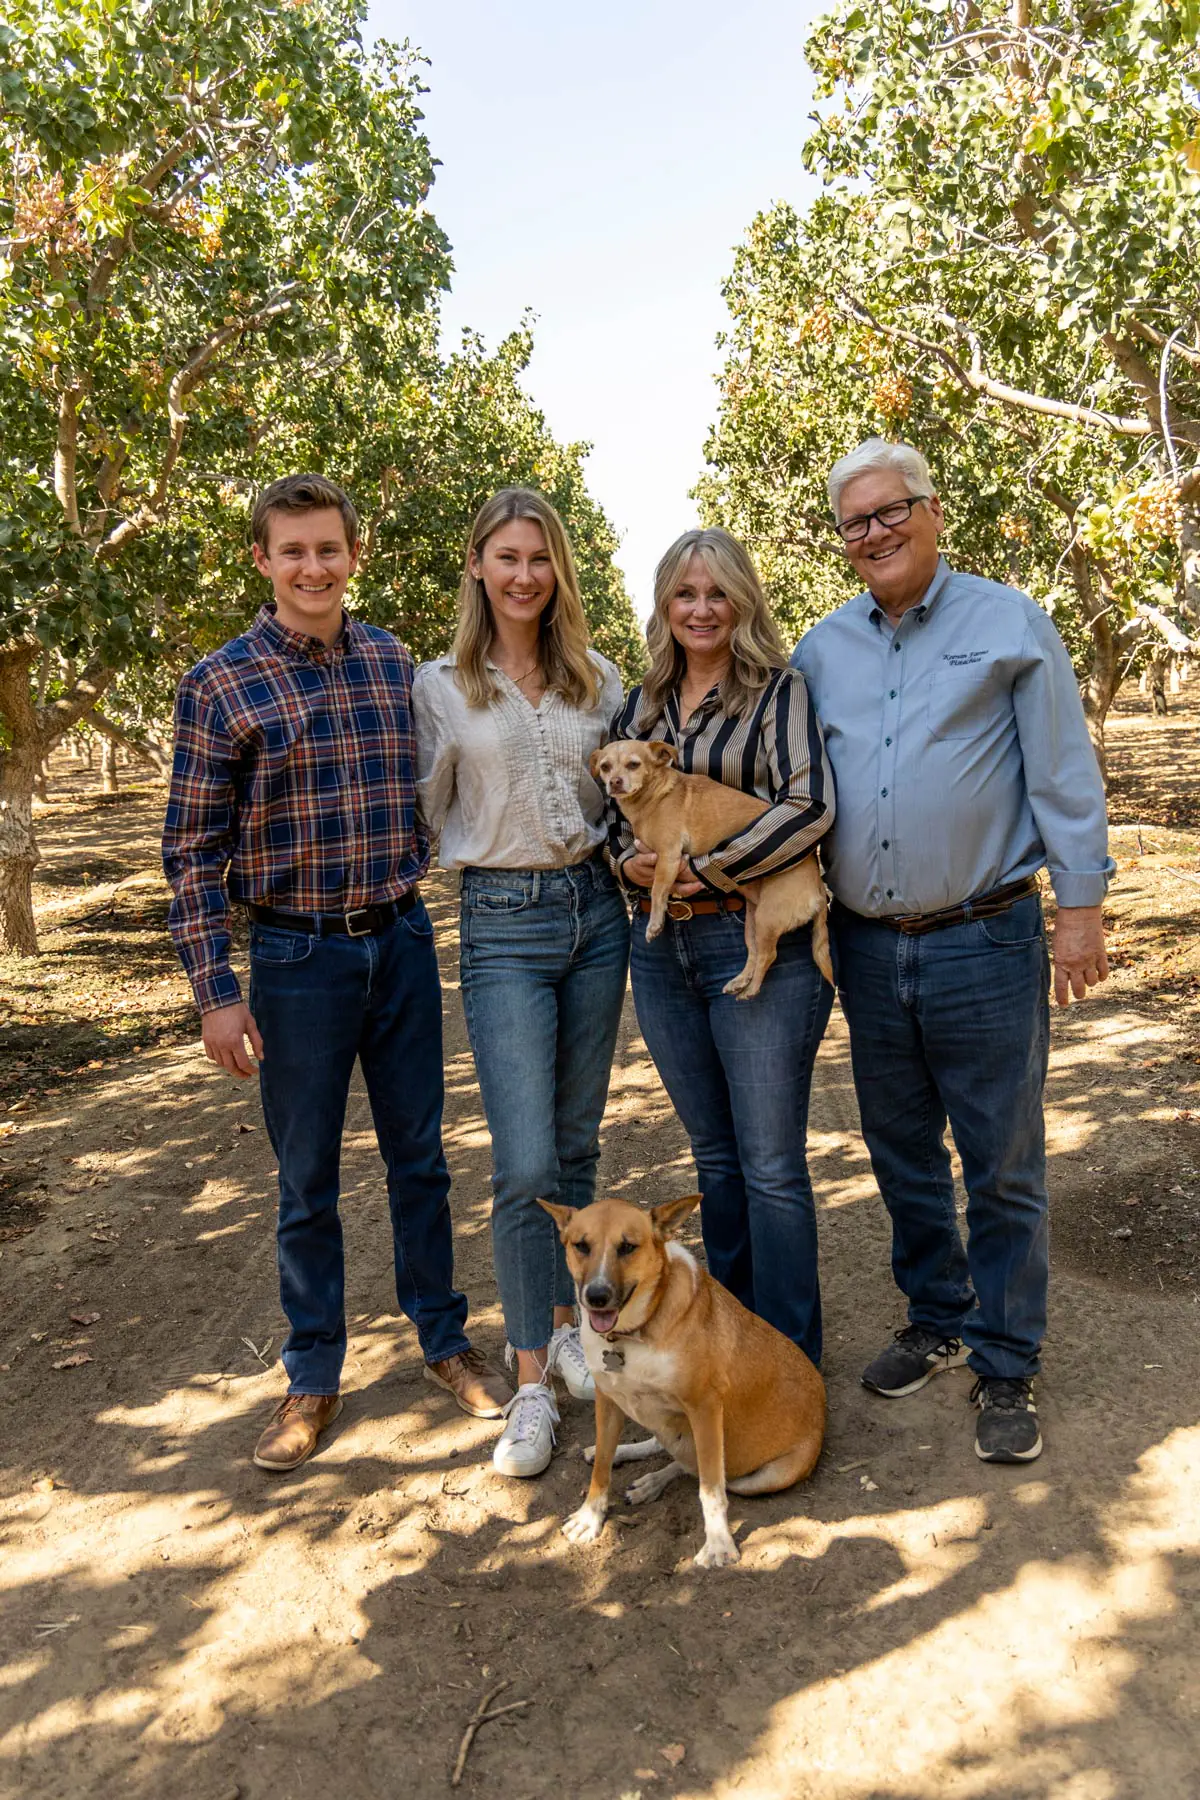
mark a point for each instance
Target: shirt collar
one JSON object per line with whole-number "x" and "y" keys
{"x": 936, "y": 588}
{"x": 300, "y": 643}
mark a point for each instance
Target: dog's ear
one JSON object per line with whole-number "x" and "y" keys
{"x": 562, "y": 1215}
{"x": 594, "y": 762}
{"x": 662, "y": 753}
{"x": 671, "y": 1214}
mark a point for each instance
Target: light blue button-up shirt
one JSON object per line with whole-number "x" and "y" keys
{"x": 959, "y": 750}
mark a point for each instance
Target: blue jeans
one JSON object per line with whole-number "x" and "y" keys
{"x": 320, "y": 1002}
{"x": 544, "y": 957}
{"x": 739, "y": 1073}
{"x": 956, "y": 1025}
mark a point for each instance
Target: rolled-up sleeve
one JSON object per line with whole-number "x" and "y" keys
{"x": 1062, "y": 776}
{"x": 802, "y": 804}
{"x": 199, "y": 839}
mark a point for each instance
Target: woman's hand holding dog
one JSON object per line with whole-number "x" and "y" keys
{"x": 639, "y": 868}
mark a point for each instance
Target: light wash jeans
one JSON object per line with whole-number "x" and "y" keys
{"x": 739, "y": 1073}
{"x": 321, "y": 1002}
{"x": 544, "y": 959}
{"x": 956, "y": 1025}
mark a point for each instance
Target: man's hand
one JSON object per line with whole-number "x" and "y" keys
{"x": 224, "y": 1033}
{"x": 639, "y": 869}
{"x": 1079, "y": 959}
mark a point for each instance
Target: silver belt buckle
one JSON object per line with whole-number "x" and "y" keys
{"x": 353, "y": 930}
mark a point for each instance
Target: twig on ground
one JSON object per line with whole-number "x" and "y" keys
{"x": 482, "y": 1716}
{"x": 1182, "y": 874}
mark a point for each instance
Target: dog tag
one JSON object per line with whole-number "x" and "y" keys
{"x": 614, "y": 1359}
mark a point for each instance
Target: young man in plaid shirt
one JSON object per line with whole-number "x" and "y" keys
{"x": 292, "y": 794}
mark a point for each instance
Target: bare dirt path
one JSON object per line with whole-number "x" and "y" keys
{"x": 909, "y": 1624}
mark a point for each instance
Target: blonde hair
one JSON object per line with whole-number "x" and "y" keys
{"x": 563, "y": 654}
{"x": 755, "y": 645}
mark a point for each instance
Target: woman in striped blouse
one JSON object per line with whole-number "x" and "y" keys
{"x": 738, "y": 1071}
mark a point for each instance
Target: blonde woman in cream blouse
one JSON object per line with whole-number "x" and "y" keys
{"x": 505, "y": 725}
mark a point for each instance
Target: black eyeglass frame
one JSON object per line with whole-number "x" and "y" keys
{"x": 864, "y": 519}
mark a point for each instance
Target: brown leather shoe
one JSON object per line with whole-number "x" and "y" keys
{"x": 292, "y": 1435}
{"x": 477, "y": 1388}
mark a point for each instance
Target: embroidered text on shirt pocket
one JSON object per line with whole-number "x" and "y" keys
{"x": 958, "y": 702}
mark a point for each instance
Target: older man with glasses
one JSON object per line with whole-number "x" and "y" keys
{"x": 954, "y": 726}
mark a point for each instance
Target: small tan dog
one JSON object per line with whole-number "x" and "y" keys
{"x": 688, "y": 815}
{"x": 726, "y": 1395}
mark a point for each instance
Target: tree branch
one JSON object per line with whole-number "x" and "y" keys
{"x": 976, "y": 381}
{"x": 66, "y": 454}
{"x": 57, "y": 716}
{"x": 1175, "y": 639}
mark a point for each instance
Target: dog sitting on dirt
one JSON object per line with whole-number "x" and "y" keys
{"x": 680, "y": 815}
{"x": 729, "y": 1398}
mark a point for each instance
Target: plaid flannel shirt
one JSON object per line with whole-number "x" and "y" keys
{"x": 293, "y": 786}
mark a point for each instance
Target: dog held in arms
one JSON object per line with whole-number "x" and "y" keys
{"x": 688, "y": 815}
{"x": 728, "y": 1397}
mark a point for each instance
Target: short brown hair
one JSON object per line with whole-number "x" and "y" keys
{"x": 301, "y": 494}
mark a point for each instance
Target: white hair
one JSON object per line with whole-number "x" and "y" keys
{"x": 877, "y": 453}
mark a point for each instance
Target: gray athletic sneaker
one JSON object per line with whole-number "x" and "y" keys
{"x": 914, "y": 1357}
{"x": 1007, "y": 1428}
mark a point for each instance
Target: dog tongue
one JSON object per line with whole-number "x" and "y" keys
{"x": 602, "y": 1322}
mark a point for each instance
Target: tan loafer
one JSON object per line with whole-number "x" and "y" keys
{"x": 292, "y": 1435}
{"x": 477, "y": 1388}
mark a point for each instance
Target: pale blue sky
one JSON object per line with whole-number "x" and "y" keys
{"x": 599, "y": 163}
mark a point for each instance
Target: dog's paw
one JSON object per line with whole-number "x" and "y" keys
{"x": 648, "y": 1487}
{"x": 717, "y": 1553}
{"x": 585, "y": 1526}
{"x": 737, "y": 986}
{"x": 589, "y": 1454}
{"x": 653, "y": 931}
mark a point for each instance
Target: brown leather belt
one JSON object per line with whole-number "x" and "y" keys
{"x": 985, "y": 907}
{"x": 700, "y": 903}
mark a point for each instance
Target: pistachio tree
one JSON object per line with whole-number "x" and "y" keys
{"x": 1047, "y": 153}
{"x": 1003, "y": 268}
{"x": 217, "y": 264}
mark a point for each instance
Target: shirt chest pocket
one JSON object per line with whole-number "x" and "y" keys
{"x": 959, "y": 702}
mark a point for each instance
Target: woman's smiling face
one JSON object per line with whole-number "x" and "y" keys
{"x": 699, "y": 613}
{"x": 515, "y": 568}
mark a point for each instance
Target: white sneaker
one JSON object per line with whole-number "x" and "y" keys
{"x": 566, "y": 1355}
{"x": 525, "y": 1444}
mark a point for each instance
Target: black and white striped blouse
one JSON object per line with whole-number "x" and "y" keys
{"x": 775, "y": 751}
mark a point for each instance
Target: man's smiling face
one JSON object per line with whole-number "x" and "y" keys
{"x": 309, "y": 564}
{"x": 897, "y": 562}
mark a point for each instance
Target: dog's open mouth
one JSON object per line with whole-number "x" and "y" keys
{"x": 603, "y": 1322}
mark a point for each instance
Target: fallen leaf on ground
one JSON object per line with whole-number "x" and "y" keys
{"x": 84, "y": 1318}
{"x": 45, "y": 1485}
{"x": 72, "y": 1362}
{"x": 673, "y": 1753}
{"x": 646, "y": 1775}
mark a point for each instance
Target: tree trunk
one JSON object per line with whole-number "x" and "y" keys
{"x": 33, "y": 732}
{"x": 1157, "y": 670}
{"x": 1099, "y": 686}
{"x": 108, "y": 766}
{"x": 18, "y": 771}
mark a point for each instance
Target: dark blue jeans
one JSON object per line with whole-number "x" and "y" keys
{"x": 320, "y": 1003}
{"x": 739, "y": 1073}
{"x": 544, "y": 960}
{"x": 956, "y": 1025}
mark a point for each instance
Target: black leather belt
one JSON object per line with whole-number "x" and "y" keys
{"x": 985, "y": 907}
{"x": 362, "y": 922}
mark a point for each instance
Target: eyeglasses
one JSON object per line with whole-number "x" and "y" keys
{"x": 896, "y": 512}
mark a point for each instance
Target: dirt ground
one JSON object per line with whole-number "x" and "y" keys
{"x": 909, "y": 1623}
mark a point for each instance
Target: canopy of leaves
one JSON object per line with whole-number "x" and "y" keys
{"x": 218, "y": 265}
{"x": 1003, "y": 269}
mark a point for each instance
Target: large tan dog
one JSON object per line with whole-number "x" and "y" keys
{"x": 730, "y": 1398}
{"x": 688, "y": 815}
